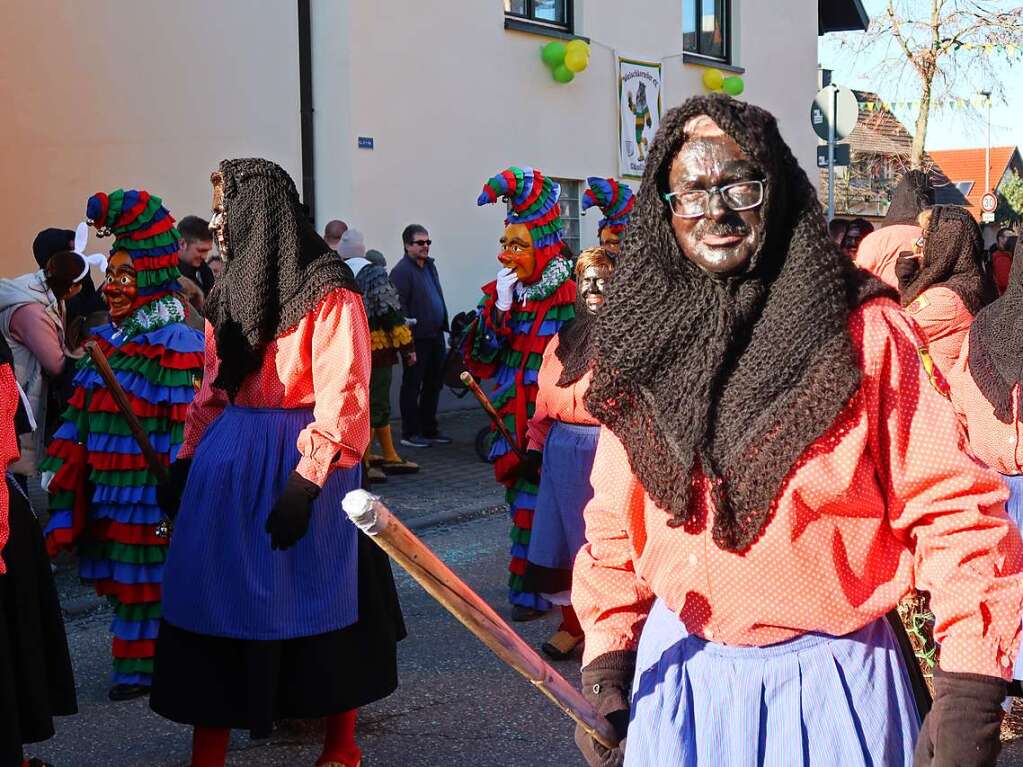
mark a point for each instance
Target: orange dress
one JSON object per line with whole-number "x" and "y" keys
{"x": 945, "y": 322}
{"x": 881, "y": 503}
{"x": 556, "y": 403}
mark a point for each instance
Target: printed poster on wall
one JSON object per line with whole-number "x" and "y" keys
{"x": 639, "y": 113}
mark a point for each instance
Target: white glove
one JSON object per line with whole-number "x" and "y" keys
{"x": 506, "y": 279}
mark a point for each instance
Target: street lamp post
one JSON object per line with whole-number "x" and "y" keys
{"x": 987, "y": 149}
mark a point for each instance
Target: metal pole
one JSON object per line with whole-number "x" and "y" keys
{"x": 987, "y": 149}
{"x": 831, "y": 152}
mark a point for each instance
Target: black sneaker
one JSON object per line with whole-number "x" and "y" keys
{"x": 438, "y": 439}
{"x": 414, "y": 441}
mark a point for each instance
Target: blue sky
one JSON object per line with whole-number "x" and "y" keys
{"x": 948, "y": 128}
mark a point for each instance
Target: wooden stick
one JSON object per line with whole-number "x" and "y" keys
{"x": 477, "y": 392}
{"x": 372, "y": 517}
{"x": 107, "y": 374}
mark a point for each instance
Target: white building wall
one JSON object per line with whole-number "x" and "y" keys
{"x": 139, "y": 93}
{"x": 450, "y": 97}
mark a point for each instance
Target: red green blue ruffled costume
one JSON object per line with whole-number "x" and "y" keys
{"x": 103, "y": 495}
{"x": 613, "y": 198}
{"x": 510, "y": 351}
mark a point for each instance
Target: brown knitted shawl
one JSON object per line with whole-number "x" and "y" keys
{"x": 736, "y": 377}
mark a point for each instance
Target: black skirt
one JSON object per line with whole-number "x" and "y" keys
{"x": 36, "y": 680}
{"x": 241, "y": 684}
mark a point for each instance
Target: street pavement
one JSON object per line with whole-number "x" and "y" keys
{"x": 456, "y": 703}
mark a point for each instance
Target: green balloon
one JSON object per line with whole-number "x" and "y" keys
{"x": 733, "y": 85}
{"x": 553, "y": 54}
{"x": 563, "y": 74}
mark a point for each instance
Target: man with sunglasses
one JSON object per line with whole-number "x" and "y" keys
{"x": 422, "y": 300}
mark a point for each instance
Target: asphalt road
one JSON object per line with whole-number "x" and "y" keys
{"x": 456, "y": 704}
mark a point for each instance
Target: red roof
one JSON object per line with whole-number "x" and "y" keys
{"x": 968, "y": 165}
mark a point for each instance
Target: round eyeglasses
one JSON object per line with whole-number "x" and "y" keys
{"x": 694, "y": 203}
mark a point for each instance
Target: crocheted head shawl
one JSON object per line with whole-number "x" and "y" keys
{"x": 145, "y": 229}
{"x": 278, "y": 267}
{"x": 699, "y": 376}
{"x": 614, "y": 199}
{"x": 996, "y": 344}
{"x": 532, "y": 200}
{"x": 952, "y": 259}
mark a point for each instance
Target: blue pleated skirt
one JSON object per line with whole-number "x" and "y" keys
{"x": 816, "y": 700}
{"x": 558, "y": 528}
{"x": 221, "y": 577}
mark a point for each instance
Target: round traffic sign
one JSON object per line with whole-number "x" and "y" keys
{"x": 988, "y": 203}
{"x": 834, "y": 104}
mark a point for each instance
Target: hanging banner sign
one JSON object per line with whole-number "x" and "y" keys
{"x": 639, "y": 113}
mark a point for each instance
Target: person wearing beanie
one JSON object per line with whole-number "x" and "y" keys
{"x": 376, "y": 258}
{"x": 102, "y": 491}
{"x": 520, "y": 312}
{"x": 774, "y": 474}
{"x": 615, "y": 200}
{"x": 275, "y": 605}
{"x": 390, "y": 337}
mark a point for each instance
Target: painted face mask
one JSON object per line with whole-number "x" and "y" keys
{"x": 517, "y": 251}
{"x": 218, "y": 222}
{"x": 121, "y": 287}
{"x": 616, "y": 201}
{"x": 591, "y": 287}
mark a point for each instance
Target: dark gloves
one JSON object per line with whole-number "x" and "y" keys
{"x": 289, "y": 518}
{"x": 168, "y": 492}
{"x": 906, "y": 267}
{"x": 607, "y": 684}
{"x": 963, "y": 727}
{"x": 529, "y": 467}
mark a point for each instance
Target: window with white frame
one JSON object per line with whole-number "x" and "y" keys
{"x": 705, "y": 29}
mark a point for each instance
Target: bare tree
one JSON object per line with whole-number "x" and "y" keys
{"x": 952, "y": 47}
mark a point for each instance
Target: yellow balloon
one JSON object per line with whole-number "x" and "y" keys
{"x": 577, "y": 45}
{"x": 576, "y": 60}
{"x": 713, "y": 79}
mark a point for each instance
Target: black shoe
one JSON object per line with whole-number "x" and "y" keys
{"x": 121, "y": 692}
{"x": 438, "y": 439}
{"x": 521, "y": 614}
{"x": 414, "y": 441}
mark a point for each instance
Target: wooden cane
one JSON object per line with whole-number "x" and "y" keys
{"x": 477, "y": 392}
{"x": 107, "y": 374}
{"x": 372, "y": 517}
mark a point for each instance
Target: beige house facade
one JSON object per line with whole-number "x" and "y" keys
{"x": 385, "y": 113}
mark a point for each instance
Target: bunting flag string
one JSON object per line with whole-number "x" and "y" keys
{"x": 954, "y": 103}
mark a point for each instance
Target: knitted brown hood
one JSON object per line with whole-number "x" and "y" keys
{"x": 736, "y": 377}
{"x": 278, "y": 268}
{"x": 996, "y": 344}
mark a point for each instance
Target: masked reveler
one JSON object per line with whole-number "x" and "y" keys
{"x": 880, "y": 249}
{"x": 985, "y": 387}
{"x": 274, "y": 607}
{"x": 774, "y": 474}
{"x": 103, "y": 493}
{"x": 562, "y": 439}
{"x": 521, "y": 311}
{"x": 615, "y": 200}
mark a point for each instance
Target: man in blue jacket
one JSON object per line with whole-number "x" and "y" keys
{"x": 422, "y": 300}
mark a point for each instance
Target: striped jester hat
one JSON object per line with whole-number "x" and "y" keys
{"x": 144, "y": 229}
{"x": 532, "y": 200}
{"x": 614, "y": 199}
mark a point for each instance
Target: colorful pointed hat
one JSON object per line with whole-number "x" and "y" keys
{"x": 532, "y": 200}
{"x": 144, "y": 229}
{"x": 614, "y": 199}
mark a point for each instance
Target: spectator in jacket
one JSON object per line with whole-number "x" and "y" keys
{"x": 196, "y": 247}
{"x": 422, "y": 300}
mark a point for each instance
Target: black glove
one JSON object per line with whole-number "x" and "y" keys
{"x": 906, "y": 267}
{"x": 529, "y": 467}
{"x": 607, "y": 684}
{"x": 168, "y": 492}
{"x": 289, "y": 518}
{"x": 963, "y": 727}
